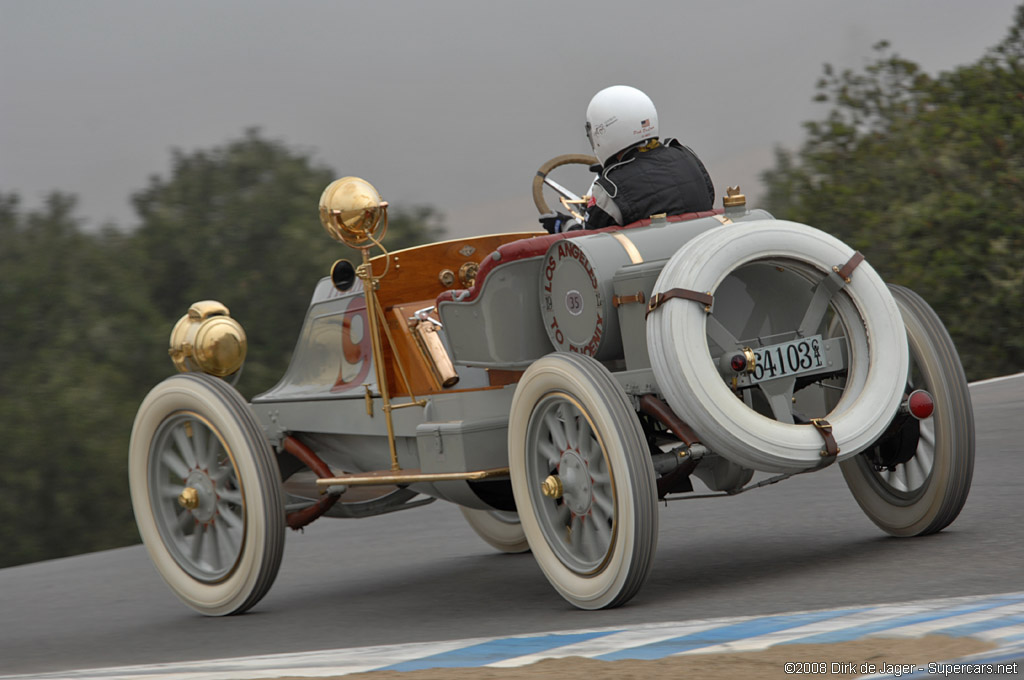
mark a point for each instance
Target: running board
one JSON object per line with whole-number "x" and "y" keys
{"x": 410, "y": 476}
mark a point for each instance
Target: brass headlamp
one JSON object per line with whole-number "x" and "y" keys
{"x": 352, "y": 212}
{"x": 208, "y": 340}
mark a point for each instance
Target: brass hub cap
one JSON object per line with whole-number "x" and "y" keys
{"x": 552, "y": 487}
{"x": 201, "y": 492}
{"x": 189, "y": 498}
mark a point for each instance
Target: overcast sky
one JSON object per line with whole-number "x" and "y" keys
{"x": 448, "y": 102}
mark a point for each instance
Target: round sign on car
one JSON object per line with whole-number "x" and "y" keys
{"x": 574, "y": 302}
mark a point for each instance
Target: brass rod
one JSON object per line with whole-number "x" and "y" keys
{"x": 370, "y": 287}
{"x": 418, "y": 402}
{"x": 385, "y": 477}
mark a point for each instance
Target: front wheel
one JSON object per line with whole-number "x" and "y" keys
{"x": 583, "y": 481}
{"x": 924, "y": 492}
{"x": 206, "y": 494}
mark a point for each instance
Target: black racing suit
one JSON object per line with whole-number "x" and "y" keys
{"x": 647, "y": 180}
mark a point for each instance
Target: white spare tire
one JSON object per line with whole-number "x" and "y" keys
{"x": 677, "y": 339}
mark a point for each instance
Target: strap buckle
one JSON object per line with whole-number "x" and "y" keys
{"x": 824, "y": 428}
{"x": 846, "y": 270}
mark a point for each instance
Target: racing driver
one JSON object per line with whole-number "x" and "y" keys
{"x": 638, "y": 175}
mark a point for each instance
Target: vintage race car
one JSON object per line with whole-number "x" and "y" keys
{"x": 555, "y": 387}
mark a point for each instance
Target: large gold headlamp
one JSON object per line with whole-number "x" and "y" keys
{"x": 352, "y": 212}
{"x": 208, "y": 340}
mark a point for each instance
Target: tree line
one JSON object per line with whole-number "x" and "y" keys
{"x": 924, "y": 174}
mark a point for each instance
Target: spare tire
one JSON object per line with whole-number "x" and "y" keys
{"x": 677, "y": 339}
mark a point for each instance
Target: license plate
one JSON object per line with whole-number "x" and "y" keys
{"x": 805, "y": 355}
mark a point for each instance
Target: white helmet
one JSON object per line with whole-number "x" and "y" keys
{"x": 619, "y": 117}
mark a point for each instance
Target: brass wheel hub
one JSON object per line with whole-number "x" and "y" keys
{"x": 189, "y": 498}
{"x": 577, "y": 486}
{"x": 552, "y": 487}
{"x": 199, "y": 496}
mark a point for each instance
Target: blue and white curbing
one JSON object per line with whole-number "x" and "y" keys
{"x": 995, "y": 618}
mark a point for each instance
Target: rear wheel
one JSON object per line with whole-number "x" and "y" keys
{"x": 206, "y": 494}
{"x": 924, "y": 492}
{"x": 583, "y": 481}
{"x": 500, "y": 529}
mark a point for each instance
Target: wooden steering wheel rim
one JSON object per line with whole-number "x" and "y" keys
{"x": 542, "y": 172}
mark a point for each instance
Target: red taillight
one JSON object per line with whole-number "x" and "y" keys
{"x": 920, "y": 404}
{"x": 738, "y": 363}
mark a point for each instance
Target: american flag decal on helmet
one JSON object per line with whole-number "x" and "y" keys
{"x": 645, "y": 122}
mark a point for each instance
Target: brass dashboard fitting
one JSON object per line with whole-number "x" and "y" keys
{"x": 733, "y": 198}
{"x": 467, "y": 274}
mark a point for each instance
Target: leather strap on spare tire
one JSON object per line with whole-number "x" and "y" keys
{"x": 824, "y": 428}
{"x": 542, "y": 172}
{"x": 847, "y": 269}
{"x": 678, "y": 344}
{"x": 658, "y": 299}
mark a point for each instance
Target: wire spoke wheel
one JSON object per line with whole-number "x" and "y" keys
{"x": 206, "y": 494}
{"x": 582, "y": 480}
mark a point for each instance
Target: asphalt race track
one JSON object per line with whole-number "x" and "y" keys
{"x": 423, "y": 575}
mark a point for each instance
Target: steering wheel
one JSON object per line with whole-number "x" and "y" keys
{"x": 567, "y": 198}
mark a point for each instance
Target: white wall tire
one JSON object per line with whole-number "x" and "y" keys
{"x": 221, "y": 555}
{"x": 680, "y": 356}
{"x": 596, "y": 542}
{"x": 500, "y": 529}
{"x": 926, "y": 493}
